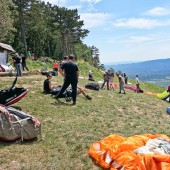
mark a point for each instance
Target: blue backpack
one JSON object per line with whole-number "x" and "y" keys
{"x": 168, "y": 110}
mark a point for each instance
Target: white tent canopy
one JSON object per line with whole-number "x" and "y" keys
{"x": 3, "y": 55}
{"x": 6, "y": 47}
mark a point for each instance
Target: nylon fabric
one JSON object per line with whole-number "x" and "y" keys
{"x": 117, "y": 152}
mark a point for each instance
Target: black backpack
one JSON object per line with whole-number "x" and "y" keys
{"x": 92, "y": 86}
{"x": 67, "y": 94}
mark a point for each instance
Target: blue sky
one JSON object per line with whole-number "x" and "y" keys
{"x": 125, "y": 30}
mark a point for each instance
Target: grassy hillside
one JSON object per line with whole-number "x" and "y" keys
{"x": 68, "y": 131}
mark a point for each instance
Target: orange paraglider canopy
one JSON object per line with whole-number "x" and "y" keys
{"x": 139, "y": 152}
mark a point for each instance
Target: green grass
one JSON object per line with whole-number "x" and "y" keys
{"x": 68, "y": 131}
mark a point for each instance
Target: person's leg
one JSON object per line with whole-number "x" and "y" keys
{"x": 103, "y": 84}
{"x": 16, "y": 68}
{"x": 107, "y": 82}
{"x": 137, "y": 88}
{"x": 26, "y": 67}
{"x": 64, "y": 87}
{"x": 74, "y": 90}
{"x": 120, "y": 88}
{"x": 20, "y": 70}
{"x": 23, "y": 65}
{"x": 81, "y": 90}
{"x": 123, "y": 89}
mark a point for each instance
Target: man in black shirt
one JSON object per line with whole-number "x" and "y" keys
{"x": 24, "y": 58}
{"x": 70, "y": 72}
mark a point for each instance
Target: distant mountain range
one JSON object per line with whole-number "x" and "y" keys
{"x": 154, "y": 71}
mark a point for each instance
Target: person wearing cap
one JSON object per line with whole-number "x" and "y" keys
{"x": 47, "y": 84}
{"x": 69, "y": 70}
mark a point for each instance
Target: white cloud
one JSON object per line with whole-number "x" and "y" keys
{"x": 75, "y": 7}
{"x": 139, "y": 23}
{"x": 148, "y": 40}
{"x": 91, "y": 4}
{"x": 94, "y": 19}
{"x": 91, "y": 1}
{"x": 157, "y": 11}
{"x": 140, "y": 39}
{"x": 133, "y": 41}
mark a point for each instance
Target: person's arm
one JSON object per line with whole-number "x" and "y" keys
{"x": 50, "y": 85}
{"x": 78, "y": 74}
{"x": 61, "y": 72}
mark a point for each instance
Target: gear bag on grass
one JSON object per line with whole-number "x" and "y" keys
{"x": 12, "y": 95}
{"x": 92, "y": 86}
{"x": 17, "y": 125}
{"x": 66, "y": 94}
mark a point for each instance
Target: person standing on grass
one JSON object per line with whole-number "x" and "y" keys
{"x": 137, "y": 84}
{"x": 121, "y": 83}
{"x": 125, "y": 77}
{"x": 17, "y": 62}
{"x": 69, "y": 70}
{"x": 106, "y": 78}
{"x": 24, "y": 65}
{"x": 55, "y": 67}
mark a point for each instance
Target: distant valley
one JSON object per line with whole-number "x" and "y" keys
{"x": 153, "y": 71}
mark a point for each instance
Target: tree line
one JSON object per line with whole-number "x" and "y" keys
{"x": 45, "y": 29}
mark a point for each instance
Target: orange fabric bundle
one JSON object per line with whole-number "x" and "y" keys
{"x": 117, "y": 153}
{"x": 151, "y": 93}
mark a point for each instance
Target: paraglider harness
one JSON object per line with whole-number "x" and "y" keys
{"x": 67, "y": 94}
{"x": 12, "y": 94}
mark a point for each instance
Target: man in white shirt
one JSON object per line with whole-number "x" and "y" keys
{"x": 137, "y": 84}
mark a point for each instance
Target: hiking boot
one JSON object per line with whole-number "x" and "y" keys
{"x": 124, "y": 93}
{"x": 88, "y": 97}
{"x": 57, "y": 98}
{"x": 119, "y": 92}
{"x": 74, "y": 103}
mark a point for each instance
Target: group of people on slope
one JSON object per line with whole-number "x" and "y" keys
{"x": 107, "y": 79}
{"x": 19, "y": 62}
{"x": 122, "y": 79}
{"x": 69, "y": 70}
